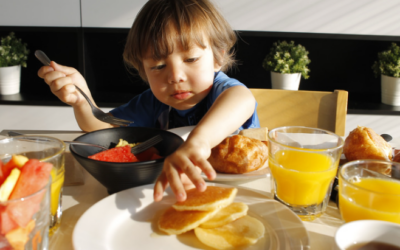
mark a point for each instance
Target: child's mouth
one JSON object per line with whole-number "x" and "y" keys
{"x": 182, "y": 95}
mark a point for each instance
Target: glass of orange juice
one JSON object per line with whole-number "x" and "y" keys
{"x": 303, "y": 163}
{"x": 365, "y": 194}
{"x": 47, "y": 149}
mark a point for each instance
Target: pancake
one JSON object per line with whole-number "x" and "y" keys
{"x": 226, "y": 215}
{"x": 212, "y": 198}
{"x": 239, "y": 233}
{"x": 178, "y": 222}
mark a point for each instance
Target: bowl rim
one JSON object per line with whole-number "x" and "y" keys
{"x": 151, "y": 162}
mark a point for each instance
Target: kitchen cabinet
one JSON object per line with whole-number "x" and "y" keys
{"x": 47, "y": 13}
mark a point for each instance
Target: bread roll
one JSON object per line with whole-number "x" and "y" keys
{"x": 364, "y": 143}
{"x": 238, "y": 154}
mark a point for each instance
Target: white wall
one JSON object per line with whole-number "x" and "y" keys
{"x": 370, "y": 17}
{"x": 63, "y": 13}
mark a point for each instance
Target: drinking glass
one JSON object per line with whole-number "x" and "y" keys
{"x": 46, "y": 149}
{"x": 365, "y": 194}
{"x": 25, "y": 221}
{"x": 303, "y": 163}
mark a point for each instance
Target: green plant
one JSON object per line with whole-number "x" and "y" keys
{"x": 388, "y": 62}
{"x": 287, "y": 58}
{"x": 12, "y": 51}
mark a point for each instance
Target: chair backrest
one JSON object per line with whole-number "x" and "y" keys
{"x": 318, "y": 109}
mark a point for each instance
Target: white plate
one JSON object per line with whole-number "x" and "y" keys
{"x": 260, "y": 173}
{"x": 125, "y": 220}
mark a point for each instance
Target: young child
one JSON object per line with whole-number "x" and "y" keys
{"x": 180, "y": 47}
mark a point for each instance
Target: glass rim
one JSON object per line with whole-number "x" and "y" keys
{"x": 304, "y": 127}
{"x": 48, "y": 184}
{"x": 352, "y": 163}
{"x": 37, "y": 138}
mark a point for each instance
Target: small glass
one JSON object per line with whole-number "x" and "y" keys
{"x": 366, "y": 194}
{"x": 25, "y": 222}
{"x": 303, "y": 163}
{"x": 46, "y": 149}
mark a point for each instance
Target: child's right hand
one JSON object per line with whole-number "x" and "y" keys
{"x": 61, "y": 80}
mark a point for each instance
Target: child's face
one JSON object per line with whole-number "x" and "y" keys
{"x": 182, "y": 79}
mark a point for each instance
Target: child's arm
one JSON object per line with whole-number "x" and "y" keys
{"x": 229, "y": 111}
{"x": 61, "y": 80}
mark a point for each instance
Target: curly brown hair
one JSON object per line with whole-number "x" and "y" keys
{"x": 161, "y": 23}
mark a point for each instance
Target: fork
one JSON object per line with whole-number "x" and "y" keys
{"x": 146, "y": 144}
{"x": 135, "y": 149}
{"x": 98, "y": 113}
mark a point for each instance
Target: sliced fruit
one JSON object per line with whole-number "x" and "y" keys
{"x": 6, "y": 223}
{"x": 34, "y": 176}
{"x": 8, "y": 185}
{"x": 120, "y": 154}
{"x": 147, "y": 155}
{"x": 16, "y": 161}
{"x": 20, "y": 236}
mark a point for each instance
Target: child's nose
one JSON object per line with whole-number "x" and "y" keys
{"x": 176, "y": 75}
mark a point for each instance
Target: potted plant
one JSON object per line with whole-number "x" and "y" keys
{"x": 287, "y": 63}
{"x": 13, "y": 55}
{"x": 388, "y": 67}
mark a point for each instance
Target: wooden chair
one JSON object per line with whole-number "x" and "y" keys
{"x": 318, "y": 109}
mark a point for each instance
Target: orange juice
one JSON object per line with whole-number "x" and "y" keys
{"x": 370, "y": 199}
{"x": 302, "y": 178}
{"x": 56, "y": 185}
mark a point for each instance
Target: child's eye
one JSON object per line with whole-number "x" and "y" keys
{"x": 158, "y": 67}
{"x": 192, "y": 59}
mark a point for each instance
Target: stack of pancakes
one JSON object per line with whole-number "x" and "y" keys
{"x": 217, "y": 221}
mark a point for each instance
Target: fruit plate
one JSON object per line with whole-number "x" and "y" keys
{"x": 127, "y": 220}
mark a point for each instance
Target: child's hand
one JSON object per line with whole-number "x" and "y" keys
{"x": 184, "y": 161}
{"x": 61, "y": 80}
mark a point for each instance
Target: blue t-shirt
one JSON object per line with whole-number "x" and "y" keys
{"x": 147, "y": 111}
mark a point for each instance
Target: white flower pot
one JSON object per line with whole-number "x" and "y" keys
{"x": 10, "y": 79}
{"x": 390, "y": 90}
{"x": 285, "y": 81}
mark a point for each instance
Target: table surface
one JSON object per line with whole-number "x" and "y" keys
{"x": 77, "y": 199}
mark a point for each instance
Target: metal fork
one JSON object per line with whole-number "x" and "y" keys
{"x": 98, "y": 113}
{"x": 135, "y": 150}
{"x": 146, "y": 144}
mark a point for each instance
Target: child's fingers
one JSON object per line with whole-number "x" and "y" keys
{"x": 174, "y": 180}
{"x": 206, "y": 167}
{"x": 44, "y": 70}
{"x": 66, "y": 70}
{"x": 53, "y": 76}
{"x": 193, "y": 174}
{"x": 160, "y": 186}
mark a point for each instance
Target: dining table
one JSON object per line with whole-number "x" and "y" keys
{"x": 81, "y": 191}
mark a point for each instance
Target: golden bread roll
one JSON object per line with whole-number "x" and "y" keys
{"x": 212, "y": 198}
{"x": 238, "y": 154}
{"x": 364, "y": 143}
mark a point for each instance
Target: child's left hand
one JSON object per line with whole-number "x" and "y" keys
{"x": 191, "y": 156}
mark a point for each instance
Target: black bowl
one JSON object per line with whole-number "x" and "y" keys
{"x": 118, "y": 176}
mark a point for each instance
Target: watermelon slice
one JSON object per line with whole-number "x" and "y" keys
{"x": 119, "y": 154}
{"x": 147, "y": 155}
{"x": 34, "y": 176}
